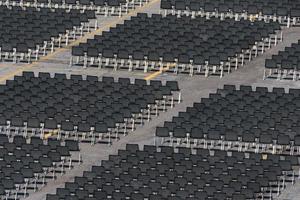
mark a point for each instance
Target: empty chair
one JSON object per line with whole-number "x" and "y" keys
{"x": 216, "y": 175}
{"x": 29, "y": 159}
{"x": 182, "y": 47}
{"x": 34, "y": 40}
{"x": 247, "y": 119}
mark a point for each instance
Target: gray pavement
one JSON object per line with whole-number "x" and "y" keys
{"x": 193, "y": 89}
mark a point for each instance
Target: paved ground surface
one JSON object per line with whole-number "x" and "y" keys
{"x": 193, "y": 89}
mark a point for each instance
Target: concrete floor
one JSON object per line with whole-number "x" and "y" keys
{"x": 193, "y": 89}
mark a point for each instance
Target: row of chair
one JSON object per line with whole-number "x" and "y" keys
{"x": 100, "y": 7}
{"x": 84, "y": 109}
{"x": 27, "y": 164}
{"x": 244, "y": 120}
{"x": 27, "y": 33}
{"x": 163, "y": 173}
{"x": 285, "y": 12}
{"x": 178, "y": 44}
{"x": 285, "y": 64}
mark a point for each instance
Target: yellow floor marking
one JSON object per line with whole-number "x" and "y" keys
{"x": 51, "y": 133}
{"x": 155, "y": 74}
{"x": 76, "y": 42}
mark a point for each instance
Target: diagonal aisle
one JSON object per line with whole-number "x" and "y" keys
{"x": 291, "y": 193}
